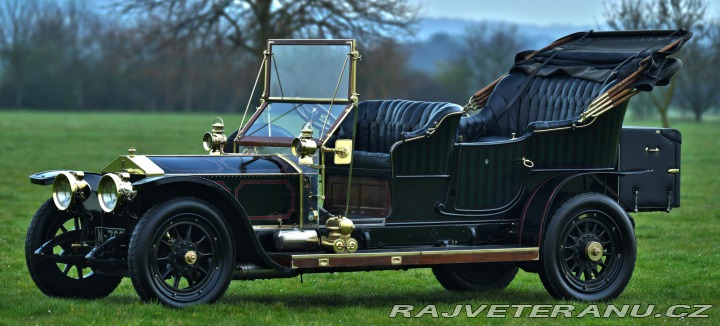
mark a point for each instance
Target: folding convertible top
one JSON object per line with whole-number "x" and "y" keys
{"x": 632, "y": 60}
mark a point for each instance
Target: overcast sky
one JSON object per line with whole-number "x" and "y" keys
{"x": 541, "y": 12}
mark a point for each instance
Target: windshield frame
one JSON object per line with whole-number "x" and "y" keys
{"x": 242, "y": 140}
{"x": 350, "y": 70}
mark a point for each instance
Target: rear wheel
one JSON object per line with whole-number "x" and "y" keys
{"x": 475, "y": 277}
{"x": 588, "y": 252}
{"x": 73, "y": 279}
{"x": 181, "y": 253}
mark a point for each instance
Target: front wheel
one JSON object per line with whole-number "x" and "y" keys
{"x": 62, "y": 236}
{"x": 475, "y": 277}
{"x": 588, "y": 252}
{"x": 181, "y": 253}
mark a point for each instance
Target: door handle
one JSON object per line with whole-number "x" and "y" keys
{"x": 527, "y": 163}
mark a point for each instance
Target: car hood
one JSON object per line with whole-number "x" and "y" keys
{"x": 203, "y": 164}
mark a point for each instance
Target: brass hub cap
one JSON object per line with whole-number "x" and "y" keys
{"x": 191, "y": 257}
{"x": 594, "y": 251}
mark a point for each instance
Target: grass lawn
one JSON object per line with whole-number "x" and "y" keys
{"x": 678, "y": 253}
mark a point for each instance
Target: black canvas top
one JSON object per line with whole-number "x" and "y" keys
{"x": 607, "y": 56}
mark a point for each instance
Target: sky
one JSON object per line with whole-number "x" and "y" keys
{"x": 539, "y": 12}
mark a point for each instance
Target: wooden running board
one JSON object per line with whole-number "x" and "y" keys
{"x": 387, "y": 258}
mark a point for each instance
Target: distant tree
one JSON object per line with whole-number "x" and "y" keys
{"x": 489, "y": 52}
{"x": 699, "y": 80}
{"x": 630, "y": 14}
{"x": 382, "y": 70}
{"x": 658, "y": 14}
{"x": 17, "y": 19}
{"x": 455, "y": 80}
{"x": 248, "y": 24}
{"x": 47, "y": 49}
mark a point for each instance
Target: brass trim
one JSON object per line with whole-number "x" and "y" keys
{"x": 411, "y": 258}
{"x": 135, "y": 164}
{"x": 79, "y": 188}
{"x": 301, "y": 205}
{"x": 291, "y": 162}
{"x": 274, "y": 226}
{"x": 478, "y": 251}
{"x": 238, "y": 174}
{"x": 353, "y": 54}
{"x": 415, "y": 253}
{"x": 343, "y": 149}
{"x": 308, "y": 99}
{"x": 356, "y": 255}
{"x": 191, "y": 257}
{"x": 334, "y": 127}
{"x": 594, "y": 251}
{"x": 214, "y": 140}
{"x": 674, "y": 171}
{"x": 123, "y": 192}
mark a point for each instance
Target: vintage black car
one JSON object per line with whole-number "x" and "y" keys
{"x": 535, "y": 172}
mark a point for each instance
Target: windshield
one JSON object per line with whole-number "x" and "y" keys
{"x": 286, "y": 119}
{"x": 310, "y": 71}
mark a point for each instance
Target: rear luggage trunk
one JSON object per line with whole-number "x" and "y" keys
{"x": 656, "y": 149}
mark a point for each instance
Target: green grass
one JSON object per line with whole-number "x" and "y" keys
{"x": 677, "y": 263}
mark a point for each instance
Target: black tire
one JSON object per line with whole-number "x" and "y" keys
{"x": 475, "y": 277}
{"x": 159, "y": 249}
{"x": 571, "y": 268}
{"x": 58, "y": 279}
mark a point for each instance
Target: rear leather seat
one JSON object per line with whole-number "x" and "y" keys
{"x": 549, "y": 102}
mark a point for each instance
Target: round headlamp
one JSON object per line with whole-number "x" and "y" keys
{"x": 69, "y": 189}
{"x": 214, "y": 141}
{"x": 114, "y": 190}
{"x": 303, "y": 147}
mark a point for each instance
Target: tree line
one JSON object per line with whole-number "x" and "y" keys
{"x": 204, "y": 55}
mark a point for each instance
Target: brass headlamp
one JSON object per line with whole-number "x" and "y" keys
{"x": 115, "y": 190}
{"x": 214, "y": 141}
{"x": 304, "y": 146}
{"x": 69, "y": 189}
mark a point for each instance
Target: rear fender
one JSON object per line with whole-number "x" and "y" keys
{"x": 535, "y": 214}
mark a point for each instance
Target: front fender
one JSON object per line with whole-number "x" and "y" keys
{"x": 91, "y": 204}
{"x": 249, "y": 248}
{"x": 46, "y": 178}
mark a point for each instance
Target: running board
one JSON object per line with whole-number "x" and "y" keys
{"x": 388, "y": 258}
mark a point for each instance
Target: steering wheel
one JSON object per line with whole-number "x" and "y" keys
{"x": 316, "y": 115}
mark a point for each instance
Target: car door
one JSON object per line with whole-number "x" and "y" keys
{"x": 487, "y": 176}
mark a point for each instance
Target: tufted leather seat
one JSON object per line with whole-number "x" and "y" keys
{"x": 549, "y": 102}
{"x": 381, "y": 124}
